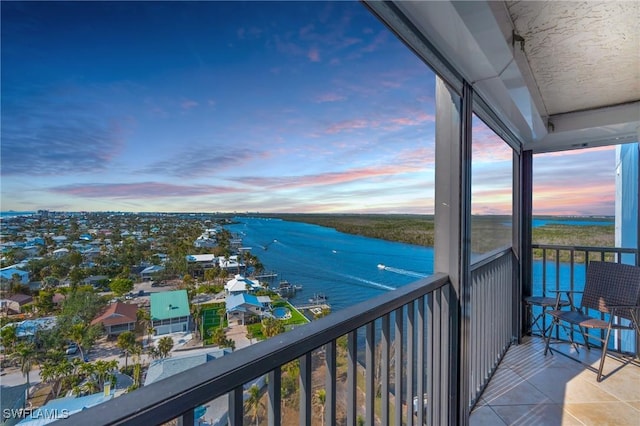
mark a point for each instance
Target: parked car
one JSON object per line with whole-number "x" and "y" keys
{"x": 141, "y": 293}
{"x": 72, "y": 349}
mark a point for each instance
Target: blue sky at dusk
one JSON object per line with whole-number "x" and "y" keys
{"x": 233, "y": 106}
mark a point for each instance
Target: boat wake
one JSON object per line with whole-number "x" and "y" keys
{"x": 403, "y": 272}
{"x": 369, "y": 282}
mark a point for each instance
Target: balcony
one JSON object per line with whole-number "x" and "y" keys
{"x": 530, "y": 388}
{"x": 448, "y": 349}
{"x": 507, "y": 383}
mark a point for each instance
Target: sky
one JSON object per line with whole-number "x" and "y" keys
{"x": 234, "y": 106}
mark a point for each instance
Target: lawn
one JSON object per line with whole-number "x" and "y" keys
{"x": 296, "y": 319}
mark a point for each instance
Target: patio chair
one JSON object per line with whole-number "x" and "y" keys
{"x": 544, "y": 303}
{"x": 611, "y": 289}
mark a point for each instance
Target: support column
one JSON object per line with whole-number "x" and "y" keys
{"x": 525, "y": 219}
{"x": 452, "y": 233}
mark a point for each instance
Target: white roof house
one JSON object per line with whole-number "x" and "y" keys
{"x": 202, "y": 258}
{"x": 241, "y": 284}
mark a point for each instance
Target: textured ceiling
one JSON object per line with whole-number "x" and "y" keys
{"x": 582, "y": 55}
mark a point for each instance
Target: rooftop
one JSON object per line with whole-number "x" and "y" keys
{"x": 169, "y": 304}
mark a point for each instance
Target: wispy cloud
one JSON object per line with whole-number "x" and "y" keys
{"x": 330, "y": 178}
{"x": 141, "y": 190}
{"x": 330, "y": 97}
{"x": 313, "y": 54}
{"x": 388, "y": 123}
{"x": 188, "y": 104}
{"x": 42, "y": 137}
{"x": 202, "y": 161}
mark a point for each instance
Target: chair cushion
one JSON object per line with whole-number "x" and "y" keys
{"x": 544, "y": 301}
{"x": 579, "y": 318}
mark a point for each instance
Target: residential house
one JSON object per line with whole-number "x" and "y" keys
{"x": 148, "y": 273}
{"x": 15, "y": 302}
{"x": 62, "y": 408}
{"x": 238, "y": 306}
{"x": 95, "y": 280}
{"x": 204, "y": 260}
{"x": 162, "y": 368}
{"x": 205, "y": 242}
{"x": 8, "y": 272}
{"x": 217, "y": 410}
{"x": 241, "y": 284}
{"x": 61, "y": 252}
{"x": 118, "y": 318}
{"x": 170, "y": 312}
{"x": 230, "y": 264}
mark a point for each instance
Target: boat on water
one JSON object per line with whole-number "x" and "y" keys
{"x": 285, "y": 289}
{"x": 318, "y": 298}
{"x": 381, "y": 266}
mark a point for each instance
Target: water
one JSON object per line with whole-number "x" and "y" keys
{"x": 12, "y": 213}
{"x": 536, "y": 223}
{"x": 343, "y": 267}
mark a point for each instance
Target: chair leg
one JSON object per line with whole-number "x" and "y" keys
{"x": 548, "y": 337}
{"x": 605, "y": 345}
{"x": 585, "y": 337}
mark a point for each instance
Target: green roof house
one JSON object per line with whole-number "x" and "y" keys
{"x": 170, "y": 312}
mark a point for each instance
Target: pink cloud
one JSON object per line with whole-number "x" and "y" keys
{"x": 188, "y": 104}
{"x": 313, "y": 54}
{"x": 144, "y": 190}
{"x": 332, "y": 178}
{"x": 347, "y": 125}
{"x": 329, "y": 97}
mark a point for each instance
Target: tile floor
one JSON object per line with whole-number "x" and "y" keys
{"x": 531, "y": 389}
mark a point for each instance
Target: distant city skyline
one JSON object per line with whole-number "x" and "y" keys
{"x": 304, "y": 107}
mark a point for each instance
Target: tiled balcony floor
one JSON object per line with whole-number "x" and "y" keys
{"x": 531, "y": 389}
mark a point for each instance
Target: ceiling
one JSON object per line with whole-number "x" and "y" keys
{"x": 562, "y": 75}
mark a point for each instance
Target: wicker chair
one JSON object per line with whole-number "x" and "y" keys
{"x": 613, "y": 289}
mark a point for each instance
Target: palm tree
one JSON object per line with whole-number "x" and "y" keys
{"x": 222, "y": 312}
{"x": 196, "y": 312}
{"x": 56, "y": 373}
{"x": 144, "y": 318}
{"x": 165, "y": 345}
{"x": 253, "y": 401}
{"x": 126, "y": 341}
{"x": 25, "y": 354}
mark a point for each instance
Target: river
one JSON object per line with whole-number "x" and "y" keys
{"x": 343, "y": 267}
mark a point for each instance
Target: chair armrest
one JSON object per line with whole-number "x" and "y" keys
{"x": 624, "y": 306}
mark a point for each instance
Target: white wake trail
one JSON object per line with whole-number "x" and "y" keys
{"x": 404, "y": 272}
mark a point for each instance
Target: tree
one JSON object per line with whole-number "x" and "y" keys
{"x": 196, "y": 313}
{"x": 8, "y": 337}
{"x": 83, "y": 335}
{"x": 144, "y": 318}
{"x": 45, "y": 302}
{"x": 25, "y": 354}
{"x": 56, "y": 372}
{"x": 165, "y": 344}
{"x": 222, "y": 312}
{"x": 253, "y": 401}
{"x": 126, "y": 342}
{"x": 272, "y": 327}
{"x": 121, "y": 286}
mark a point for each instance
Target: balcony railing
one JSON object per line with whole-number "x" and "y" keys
{"x": 563, "y": 268}
{"x": 398, "y": 359}
{"x": 493, "y": 286}
{"x": 420, "y": 314}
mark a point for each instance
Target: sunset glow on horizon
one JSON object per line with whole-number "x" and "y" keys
{"x": 308, "y": 107}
